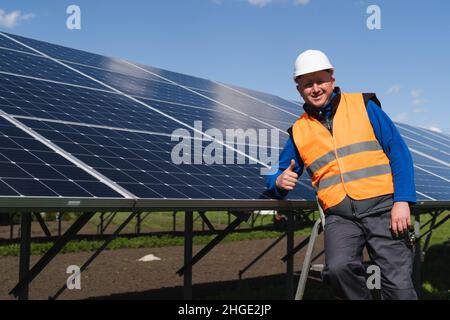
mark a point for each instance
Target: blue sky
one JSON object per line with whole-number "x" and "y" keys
{"x": 253, "y": 43}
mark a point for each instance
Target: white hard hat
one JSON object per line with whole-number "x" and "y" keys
{"x": 311, "y": 61}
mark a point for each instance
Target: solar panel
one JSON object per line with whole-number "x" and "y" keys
{"x": 30, "y": 168}
{"x": 116, "y": 119}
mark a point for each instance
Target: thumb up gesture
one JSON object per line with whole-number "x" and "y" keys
{"x": 288, "y": 179}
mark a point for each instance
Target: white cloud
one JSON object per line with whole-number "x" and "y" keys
{"x": 415, "y": 93}
{"x": 12, "y": 19}
{"x": 401, "y": 117}
{"x": 434, "y": 128}
{"x": 301, "y": 2}
{"x": 394, "y": 89}
{"x": 259, "y": 3}
{"x": 263, "y": 3}
{"x": 418, "y": 102}
{"x": 419, "y": 110}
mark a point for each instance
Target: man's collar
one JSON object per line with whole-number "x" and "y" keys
{"x": 318, "y": 113}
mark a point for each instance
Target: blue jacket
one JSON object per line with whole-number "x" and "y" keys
{"x": 389, "y": 139}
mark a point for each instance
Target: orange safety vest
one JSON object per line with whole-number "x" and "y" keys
{"x": 348, "y": 162}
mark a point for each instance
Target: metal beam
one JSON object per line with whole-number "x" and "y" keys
{"x": 290, "y": 260}
{"x": 42, "y": 224}
{"x": 241, "y": 272}
{"x": 307, "y": 260}
{"x": 188, "y": 242}
{"x": 211, "y": 245}
{"x": 206, "y": 220}
{"x": 51, "y": 253}
{"x": 24, "y": 263}
{"x": 99, "y": 250}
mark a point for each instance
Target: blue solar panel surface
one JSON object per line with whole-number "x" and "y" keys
{"x": 117, "y": 118}
{"x": 29, "y": 168}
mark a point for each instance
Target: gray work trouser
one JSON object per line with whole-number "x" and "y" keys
{"x": 345, "y": 240}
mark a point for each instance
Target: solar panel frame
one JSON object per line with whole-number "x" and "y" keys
{"x": 202, "y": 93}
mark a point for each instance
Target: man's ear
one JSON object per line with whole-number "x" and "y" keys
{"x": 333, "y": 82}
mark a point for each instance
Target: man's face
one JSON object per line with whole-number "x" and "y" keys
{"x": 316, "y": 88}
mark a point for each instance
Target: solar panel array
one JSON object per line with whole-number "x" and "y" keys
{"x": 81, "y": 125}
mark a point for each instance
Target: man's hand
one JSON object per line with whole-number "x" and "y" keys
{"x": 288, "y": 179}
{"x": 400, "y": 218}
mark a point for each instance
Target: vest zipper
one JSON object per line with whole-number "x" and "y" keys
{"x": 329, "y": 127}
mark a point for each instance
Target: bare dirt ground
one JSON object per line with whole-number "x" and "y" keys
{"x": 117, "y": 274}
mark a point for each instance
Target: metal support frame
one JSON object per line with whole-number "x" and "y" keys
{"x": 51, "y": 253}
{"x": 189, "y": 261}
{"x": 24, "y": 263}
{"x": 60, "y": 217}
{"x": 101, "y": 228}
{"x": 290, "y": 260}
{"x": 11, "y": 226}
{"x": 273, "y": 244}
{"x": 188, "y": 244}
{"x": 98, "y": 251}
{"x": 139, "y": 219}
{"x": 174, "y": 220}
{"x": 206, "y": 220}
{"x": 42, "y": 224}
{"x": 102, "y": 221}
{"x": 26, "y": 276}
{"x": 138, "y": 223}
{"x": 433, "y": 225}
{"x": 308, "y": 259}
{"x": 211, "y": 244}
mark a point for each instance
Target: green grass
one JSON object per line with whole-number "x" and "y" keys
{"x": 163, "y": 221}
{"x": 142, "y": 242}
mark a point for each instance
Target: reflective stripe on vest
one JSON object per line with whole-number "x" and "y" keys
{"x": 353, "y": 175}
{"x": 342, "y": 152}
{"x": 349, "y": 162}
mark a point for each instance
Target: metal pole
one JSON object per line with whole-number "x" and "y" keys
{"x": 102, "y": 220}
{"x": 174, "y": 221}
{"x": 99, "y": 250}
{"x": 434, "y": 216}
{"x": 24, "y": 263}
{"x": 290, "y": 260}
{"x": 52, "y": 252}
{"x": 11, "y": 226}
{"x": 138, "y": 223}
{"x": 60, "y": 216}
{"x": 188, "y": 235}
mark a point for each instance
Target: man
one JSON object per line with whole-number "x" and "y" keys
{"x": 363, "y": 175}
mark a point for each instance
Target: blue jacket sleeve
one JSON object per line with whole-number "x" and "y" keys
{"x": 284, "y": 161}
{"x": 397, "y": 152}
